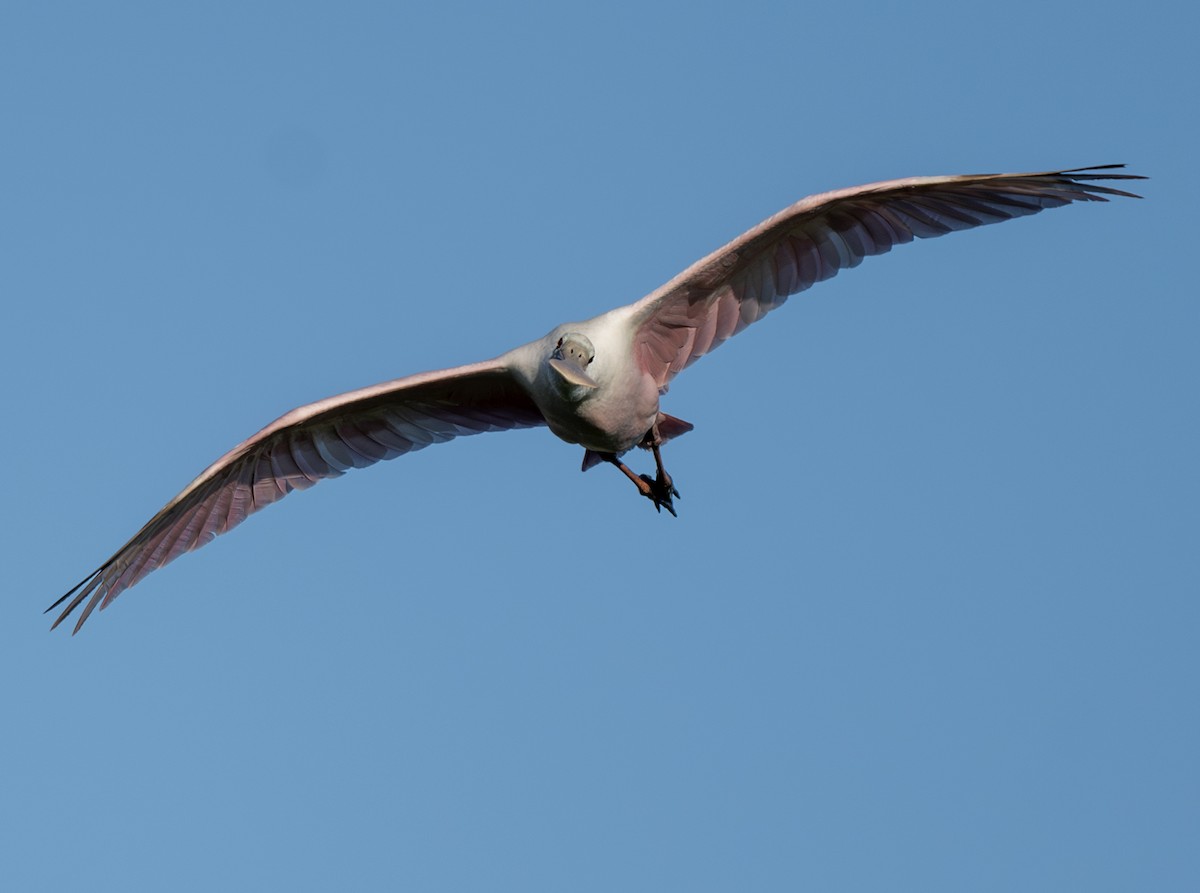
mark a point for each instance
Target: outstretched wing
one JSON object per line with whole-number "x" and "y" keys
{"x": 318, "y": 441}
{"x": 817, "y": 237}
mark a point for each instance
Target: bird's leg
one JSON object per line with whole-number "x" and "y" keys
{"x": 662, "y": 480}
{"x": 652, "y": 489}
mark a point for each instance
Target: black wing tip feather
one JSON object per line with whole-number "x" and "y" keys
{"x": 1084, "y": 175}
{"x": 1103, "y": 167}
{"x": 80, "y": 590}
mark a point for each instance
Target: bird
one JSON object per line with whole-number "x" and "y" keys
{"x": 595, "y": 383}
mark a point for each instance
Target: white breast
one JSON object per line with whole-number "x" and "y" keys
{"x": 610, "y": 418}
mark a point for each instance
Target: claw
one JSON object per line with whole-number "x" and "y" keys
{"x": 659, "y": 489}
{"x": 660, "y": 492}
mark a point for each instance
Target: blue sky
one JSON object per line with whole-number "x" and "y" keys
{"x": 927, "y": 619}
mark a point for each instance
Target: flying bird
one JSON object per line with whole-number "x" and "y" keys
{"x": 595, "y": 383}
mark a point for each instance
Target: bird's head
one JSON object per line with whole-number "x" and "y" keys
{"x": 570, "y": 359}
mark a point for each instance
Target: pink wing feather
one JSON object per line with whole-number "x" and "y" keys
{"x": 819, "y": 236}
{"x": 318, "y": 441}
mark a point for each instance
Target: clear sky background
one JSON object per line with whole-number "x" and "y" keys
{"x": 928, "y": 619}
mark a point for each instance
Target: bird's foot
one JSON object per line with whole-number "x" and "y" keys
{"x": 661, "y": 491}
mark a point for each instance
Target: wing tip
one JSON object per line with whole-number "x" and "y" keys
{"x": 1104, "y": 167}
{"x": 1082, "y": 175}
{"x": 80, "y": 591}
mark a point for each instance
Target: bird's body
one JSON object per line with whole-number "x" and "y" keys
{"x": 596, "y": 383}
{"x": 612, "y": 417}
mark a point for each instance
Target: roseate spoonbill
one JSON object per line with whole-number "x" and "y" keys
{"x": 595, "y": 383}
